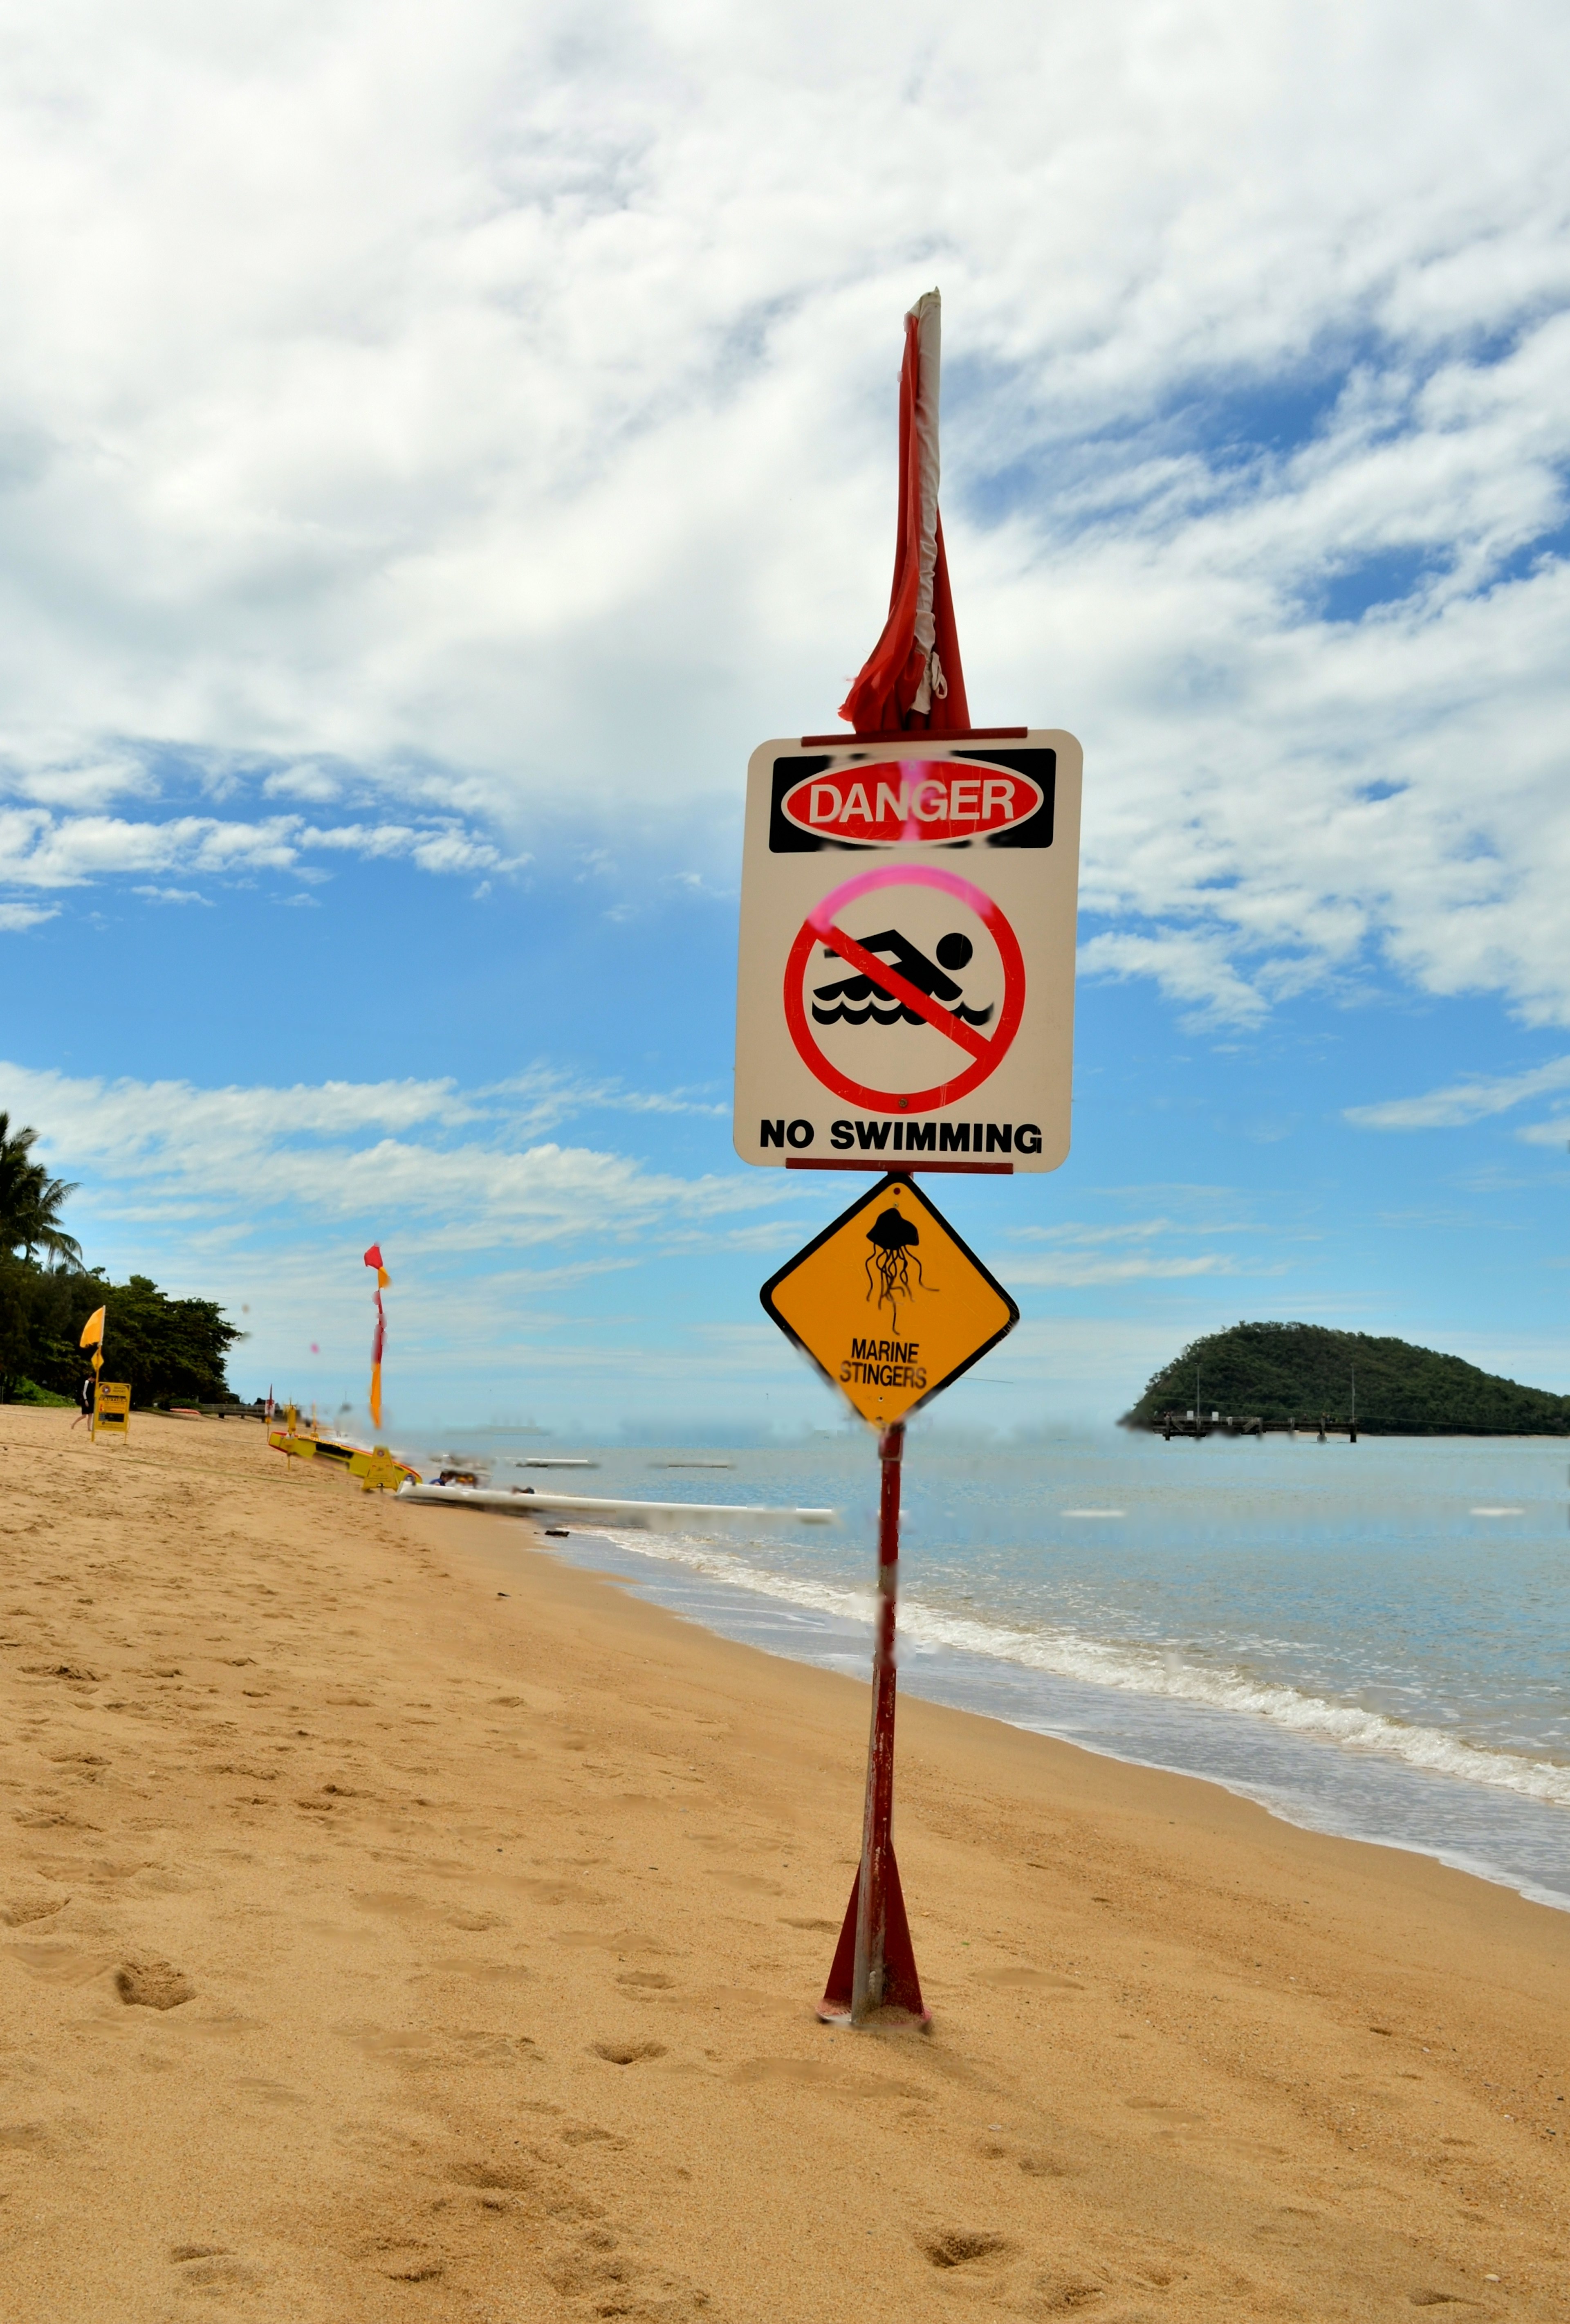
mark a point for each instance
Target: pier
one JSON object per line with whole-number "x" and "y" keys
{"x": 1198, "y": 1425}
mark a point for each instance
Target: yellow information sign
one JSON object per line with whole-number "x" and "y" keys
{"x": 111, "y": 1415}
{"x": 889, "y": 1303}
{"x": 377, "y": 1471}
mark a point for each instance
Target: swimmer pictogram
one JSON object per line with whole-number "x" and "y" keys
{"x": 857, "y": 996}
{"x": 915, "y": 987}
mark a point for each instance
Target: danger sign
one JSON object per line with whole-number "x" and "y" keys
{"x": 910, "y": 799}
{"x": 920, "y": 1003}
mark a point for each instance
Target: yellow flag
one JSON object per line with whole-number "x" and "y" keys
{"x": 93, "y": 1328}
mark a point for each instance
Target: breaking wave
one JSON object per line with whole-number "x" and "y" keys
{"x": 1132, "y": 1668}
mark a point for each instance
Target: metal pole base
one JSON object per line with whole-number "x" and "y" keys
{"x": 894, "y": 1984}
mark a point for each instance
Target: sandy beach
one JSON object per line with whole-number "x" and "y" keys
{"x": 400, "y": 1924}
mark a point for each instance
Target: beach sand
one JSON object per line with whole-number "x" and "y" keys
{"x": 499, "y": 1921}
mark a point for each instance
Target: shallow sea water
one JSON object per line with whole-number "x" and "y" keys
{"x": 1373, "y": 1640}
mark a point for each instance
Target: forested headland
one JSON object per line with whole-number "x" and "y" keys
{"x": 169, "y": 1350}
{"x": 1278, "y": 1372}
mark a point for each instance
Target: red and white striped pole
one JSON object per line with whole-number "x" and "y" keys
{"x": 874, "y": 1964}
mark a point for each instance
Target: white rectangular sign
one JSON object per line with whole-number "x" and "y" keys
{"x": 906, "y": 976}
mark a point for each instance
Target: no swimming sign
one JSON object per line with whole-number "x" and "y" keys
{"x": 906, "y": 973}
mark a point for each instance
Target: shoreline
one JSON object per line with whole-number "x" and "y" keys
{"x": 504, "y": 1917}
{"x": 1493, "y": 1831}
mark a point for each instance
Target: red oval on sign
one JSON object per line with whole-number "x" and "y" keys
{"x": 897, "y": 801}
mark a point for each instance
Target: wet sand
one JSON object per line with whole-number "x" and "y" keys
{"x": 376, "y": 1945}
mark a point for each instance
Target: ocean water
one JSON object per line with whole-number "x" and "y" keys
{"x": 1373, "y": 1640}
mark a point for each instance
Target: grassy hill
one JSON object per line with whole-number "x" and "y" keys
{"x": 1281, "y": 1371}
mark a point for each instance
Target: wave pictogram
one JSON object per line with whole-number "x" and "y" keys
{"x": 853, "y": 1000}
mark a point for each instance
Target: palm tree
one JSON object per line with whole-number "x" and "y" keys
{"x": 31, "y": 1200}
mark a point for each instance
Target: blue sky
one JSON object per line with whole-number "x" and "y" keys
{"x": 431, "y": 459}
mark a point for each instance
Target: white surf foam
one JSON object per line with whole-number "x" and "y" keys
{"x": 1132, "y": 1668}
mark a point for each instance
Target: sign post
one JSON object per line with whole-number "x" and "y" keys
{"x": 892, "y": 1306}
{"x": 874, "y": 1962}
{"x": 904, "y": 1003}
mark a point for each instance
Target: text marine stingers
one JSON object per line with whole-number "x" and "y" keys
{"x": 884, "y": 1363}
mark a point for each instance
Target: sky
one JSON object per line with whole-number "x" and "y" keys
{"x": 437, "y": 446}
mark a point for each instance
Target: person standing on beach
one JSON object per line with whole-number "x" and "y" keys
{"x": 85, "y": 1398}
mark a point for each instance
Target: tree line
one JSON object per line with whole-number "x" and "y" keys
{"x": 1279, "y": 1372}
{"x": 170, "y": 1350}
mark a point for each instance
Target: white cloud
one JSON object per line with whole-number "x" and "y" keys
{"x": 1466, "y": 1101}
{"x": 1076, "y": 1269}
{"x": 489, "y": 417}
{"x": 1190, "y": 968}
{"x": 545, "y": 1096}
{"x": 1078, "y": 1255}
{"x": 17, "y": 916}
{"x": 39, "y": 850}
{"x": 1553, "y": 1132}
{"x": 264, "y": 1198}
{"x": 457, "y": 1168}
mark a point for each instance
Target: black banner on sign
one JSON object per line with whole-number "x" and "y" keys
{"x": 833, "y": 815}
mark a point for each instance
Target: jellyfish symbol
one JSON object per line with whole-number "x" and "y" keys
{"x": 894, "y": 1241}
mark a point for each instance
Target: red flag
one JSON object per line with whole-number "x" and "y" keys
{"x": 911, "y": 679}
{"x": 378, "y": 1337}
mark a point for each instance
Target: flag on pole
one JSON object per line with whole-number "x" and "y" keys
{"x": 378, "y": 1337}
{"x": 911, "y": 679}
{"x": 93, "y": 1328}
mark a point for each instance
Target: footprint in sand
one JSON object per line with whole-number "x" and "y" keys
{"x": 1044, "y": 1980}
{"x": 624, "y": 1941}
{"x": 392, "y": 1902}
{"x": 23, "y": 1910}
{"x": 59, "y": 1963}
{"x": 1164, "y": 2115}
{"x": 823, "y": 2074}
{"x": 628, "y": 2053}
{"x": 487, "y": 1972}
{"x": 963, "y": 2247}
{"x": 549, "y": 1892}
{"x": 152, "y": 1985}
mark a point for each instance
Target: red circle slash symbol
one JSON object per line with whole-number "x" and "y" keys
{"x": 821, "y": 926}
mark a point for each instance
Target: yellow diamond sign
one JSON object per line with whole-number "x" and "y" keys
{"x": 889, "y": 1303}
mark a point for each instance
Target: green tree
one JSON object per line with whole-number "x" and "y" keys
{"x": 18, "y": 1301}
{"x": 167, "y": 1349}
{"x": 30, "y": 1200}
{"x": 170, "y": 1350}
{"x": 1277, "y": 1372}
